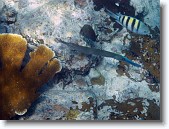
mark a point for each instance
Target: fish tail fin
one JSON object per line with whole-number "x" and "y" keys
{"x": 113, "y": 15}
{"x": 131, "y": 62}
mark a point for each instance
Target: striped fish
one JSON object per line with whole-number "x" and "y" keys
{"x": 132, "y": 24}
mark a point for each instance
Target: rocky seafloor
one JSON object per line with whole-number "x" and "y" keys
{"x": 91, "y": 87}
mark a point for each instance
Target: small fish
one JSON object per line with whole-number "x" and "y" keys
{"x": 98, "y": 52}
{"x": 132, "y": 24}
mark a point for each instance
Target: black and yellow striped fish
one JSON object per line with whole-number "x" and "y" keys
{"x": 130, "y": 23}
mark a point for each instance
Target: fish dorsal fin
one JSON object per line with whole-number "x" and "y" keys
{"x": 113, "y": 15}
{"x": 119, "y": 14}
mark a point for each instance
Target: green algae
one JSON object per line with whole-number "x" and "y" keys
{"x": 72, "y": 114}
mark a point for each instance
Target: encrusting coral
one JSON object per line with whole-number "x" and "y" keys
{"x": 18, "y": 87}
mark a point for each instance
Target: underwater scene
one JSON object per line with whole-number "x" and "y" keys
{"x": 80, "y": 60}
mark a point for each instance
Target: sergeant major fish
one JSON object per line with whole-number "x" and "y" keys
{"x": 132, "y": 24}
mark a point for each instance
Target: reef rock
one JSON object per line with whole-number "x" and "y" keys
{"x": 90, "y": 87}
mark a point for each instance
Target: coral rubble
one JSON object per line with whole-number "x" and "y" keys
{"x": 148, "y": 50}
{"x": 132, "y": 109}
{"x": 18, "y": 86}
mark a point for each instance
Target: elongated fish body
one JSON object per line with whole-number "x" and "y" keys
{"x": 98, "y": 52}
{"x": 131, "y": 23}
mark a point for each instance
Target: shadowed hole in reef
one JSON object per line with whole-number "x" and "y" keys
{"x": 88, "y": 34}
{"x": 116, "y": 6}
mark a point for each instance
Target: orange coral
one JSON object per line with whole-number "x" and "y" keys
{"x": 18, "y": 88}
